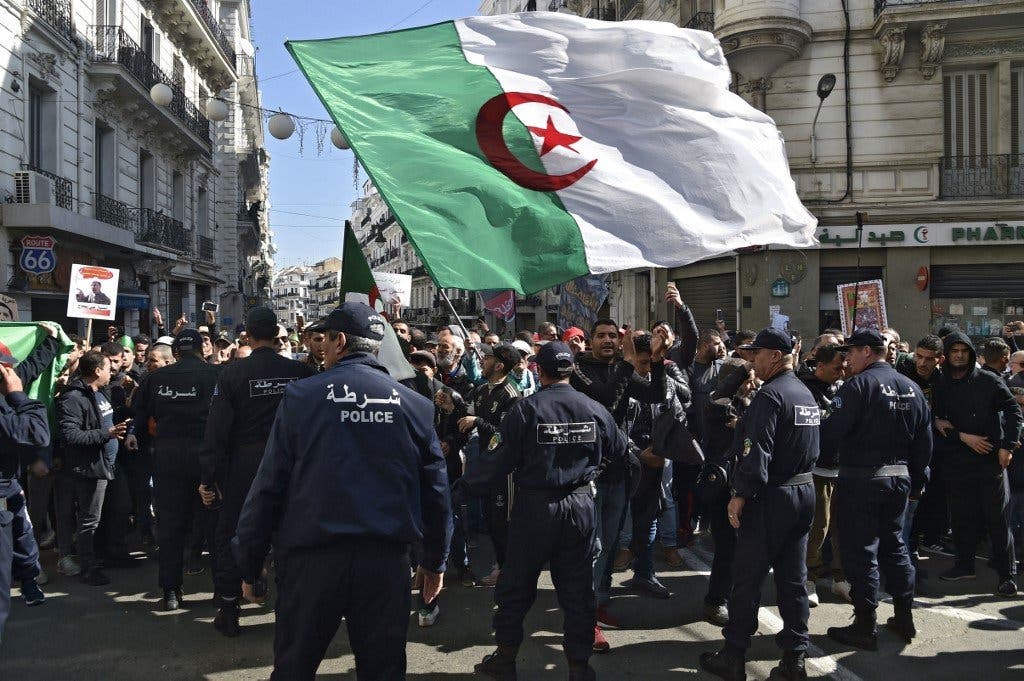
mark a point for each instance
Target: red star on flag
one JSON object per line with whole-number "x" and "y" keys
{"x": 553, "y": 137}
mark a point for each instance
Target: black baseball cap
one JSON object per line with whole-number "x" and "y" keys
{"x": 261, "y": 323}
{"x": 355, "y": 319}
{"x": 503, "y": 352}
{"x": 422, "y": 356}
{"x": 555, "y": 358}
{"x": 770, "y": 339}
{"x": 861, "y": 338}
{"x": 188, "y": 340}
{"x": 223, "y": 339}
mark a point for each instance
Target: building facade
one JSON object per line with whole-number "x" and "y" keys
{"x": 94, "y": 171}
{"x": 922, "y": 134}
{"x": 291, "y": 294}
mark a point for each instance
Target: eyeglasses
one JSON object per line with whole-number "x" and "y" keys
{"x": 281, "y": 339}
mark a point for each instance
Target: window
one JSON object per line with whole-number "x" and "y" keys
{"x": 178, "y": 196}
{"x": 42, "y": 126}
{"x": 202, "y": 212}
{"x": 106, "y": 13}
{"x": 967, "y": 113}
{"x": 1017, "y": 111}
{"x": 104, "y": 159}
{"x": 147, "y": 176}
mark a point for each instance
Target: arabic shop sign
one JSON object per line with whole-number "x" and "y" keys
{"x": 935, "y": 234}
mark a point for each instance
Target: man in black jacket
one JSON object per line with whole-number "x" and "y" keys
{"x": 89, "y": 442}
{"x": 980, "y": 422}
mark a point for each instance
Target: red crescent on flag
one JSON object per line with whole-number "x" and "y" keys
{"x": 489, "y": 122}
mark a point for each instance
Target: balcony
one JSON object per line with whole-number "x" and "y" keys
{"x": 193, "y": 27}
{"x": 204, "y": 248}
{"x": 999, "y": 176}
{"x": 702, "y": 21}
{"x": 162, "y": 231}
{"x": 63, "y": 188}
{"x": 114, "y": 212}
{"x": 126, "y": 73}
{"x": 56, "y": 14}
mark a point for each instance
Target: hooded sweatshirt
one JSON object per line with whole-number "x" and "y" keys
{"x": 979, "y": 403}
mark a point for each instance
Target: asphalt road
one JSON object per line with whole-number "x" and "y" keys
{"x": 118, "y": 632}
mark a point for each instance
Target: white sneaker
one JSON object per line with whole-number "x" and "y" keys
{"x": 69, "y": 567}
{"x": 842, "y": 589}
{"x": 812, "y": 594}
{"x": 429, "y": 615}
{"x": 42, "y": 578}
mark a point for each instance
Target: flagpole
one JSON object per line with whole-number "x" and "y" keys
{"x": 458, "y": 319}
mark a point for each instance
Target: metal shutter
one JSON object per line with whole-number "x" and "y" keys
{"x": 705, "y": 294}
{"x": 1001, "y": 280}
{"x": 830, "y": 277}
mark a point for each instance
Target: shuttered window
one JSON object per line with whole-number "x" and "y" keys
{"x": 1016, "y": 110}
{"x": 1003, "y": 280}
{"x": 705, "y": 295}
{"x": 966, "y": 113}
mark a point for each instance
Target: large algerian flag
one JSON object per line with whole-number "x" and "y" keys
{"x": 521, "y": 151}
{"x": 19, "y": 339}
{"x": 357, "y": 284}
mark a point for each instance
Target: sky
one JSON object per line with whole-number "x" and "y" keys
{"x": 310, "y": 194}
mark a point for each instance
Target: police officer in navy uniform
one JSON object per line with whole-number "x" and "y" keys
{"x": 554, "y": 441}
{"x": 772, "y": 508}
{"x": 353, "y": 474}
{"x": 23, "y": 422}
{"x": 244, "y": 403}
{"x": 880, "y": 423}
{"x": 177, "y": 397}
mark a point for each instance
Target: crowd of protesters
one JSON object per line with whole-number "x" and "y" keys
{"x": 90, "y": 493}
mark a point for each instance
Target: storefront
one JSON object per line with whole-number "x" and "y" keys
{"x": 979, "y": 299}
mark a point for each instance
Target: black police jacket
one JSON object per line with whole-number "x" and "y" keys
{"x": 823, "y": 394}
{"x": 242, "y": 411}
{"x": 352, "y": 453}
{"x": 177, "y": 397}
{"x": 879, "y": 418}
{"x": 23, "y": 423}
{"x": 778, "y": 435}
{"x": 554, "y": 440}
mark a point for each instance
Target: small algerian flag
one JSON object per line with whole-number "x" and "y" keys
{"x": 357, "y": 284}
{"x": 522, "y": 151}
{"x": 19, "y": 339}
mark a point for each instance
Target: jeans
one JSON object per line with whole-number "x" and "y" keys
{"x": 87, "y": 495}
{"x": 610, "y": 512}
{"x": 1017, "y": 520}
{"x": 643, "y": 568}
{"x": 908, "y": 522}
{"x": 668, "y": 522}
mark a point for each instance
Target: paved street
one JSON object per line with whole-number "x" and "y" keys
{"x": 117, "y": 632}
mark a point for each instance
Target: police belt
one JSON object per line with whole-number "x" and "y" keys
{"x": 866, "y": 473}
{"x": 796, "y": 480}
{"x": 558, "y": 493}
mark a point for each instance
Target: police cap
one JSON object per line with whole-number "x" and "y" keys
{"x": 188, "y": 340}
{"x": 771, "y": 339}
{"x": 261, "y": 323}
{"x": 555, "y": 358}
{"x": 354, "y": 319}
{"x": 862, "y": 338}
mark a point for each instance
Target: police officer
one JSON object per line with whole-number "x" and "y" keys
{"x": 352, "y": 475}
{"x": 241, "y": 414}
{"x": 772, "y": 506}
{"x": 880, "y": 423}
{"x": 554, "y": 442}
{"x": 23, "y": 421}
{"x": 177, "y": 397}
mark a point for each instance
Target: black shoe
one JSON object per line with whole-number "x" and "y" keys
{"x": 581, "y": 671}
{"x": 791, "y": 667}
{"x": 903, "y": 621}
{"x": 863, "y": 633}
{"x": 467, "y": 578}
{"x": 716, "y": 614}
{"x": 958, "y": 574}
{"x": 172, "y": 599}
{"x": 1007, "y": 588}
{"x": 226, "y": 621}
{"x": 727, "y": 664}
{"x": 194, "y": 566}
{"x": 500, "y": 665}
{"x": 94, "y": 577}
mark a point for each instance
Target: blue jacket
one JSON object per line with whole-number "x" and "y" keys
{"x": 879, "y": 418}
{"x": 554, "y": 440}
{"x": 778, "y": 435}
{"x": 23, "y": 423}
{"x": 352, "y": 453}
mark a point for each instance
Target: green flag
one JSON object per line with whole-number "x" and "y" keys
{"x": 19, "y": 339}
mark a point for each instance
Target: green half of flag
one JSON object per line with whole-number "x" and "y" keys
{"x": 20, "y": 339}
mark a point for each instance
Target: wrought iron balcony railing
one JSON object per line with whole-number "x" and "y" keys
{"x": 215, "y": 28}
{"x": 114, "y": 46}
{"x": 702, "y": 21}
{"x": 162, "y": 231}
{"x": 998, "y": 176}
{"x": 57, "y": 13}
{"x": 114, "y": 212}
{"x": 882, "y": 5}
{"x": 204, "y": 248}
{"x": 63, "y": 188}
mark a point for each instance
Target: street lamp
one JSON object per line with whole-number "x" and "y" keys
{"x": 825, "y": 86}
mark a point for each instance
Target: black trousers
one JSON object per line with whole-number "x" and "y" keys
{"x": 773, "y": 534}
{"x": 112, "y": 533}
{"x": 932, "y": 517}
{"x": 366, "y": 581}
{"x": 138, "y": 467}
{"x": 79, "y": 506}
{"x": 979, "y": 492}
{"x": 176, "y": 508}
{"x": 720, "y": 582}
{"x": 561, "y": 533}
{"x": 870, "y": 528}
{"x": 245, "y": 461}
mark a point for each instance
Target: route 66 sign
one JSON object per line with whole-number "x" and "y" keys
{"x": 37, "y": 255}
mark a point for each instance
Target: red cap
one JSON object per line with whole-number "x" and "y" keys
{"x": 572, "y": 332}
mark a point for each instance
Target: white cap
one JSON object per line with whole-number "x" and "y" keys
{"x": 523, "y": 347}
{"x": 165, "y": 340}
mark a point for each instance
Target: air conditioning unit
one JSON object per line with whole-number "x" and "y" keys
{"x": 33, "y": 187}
